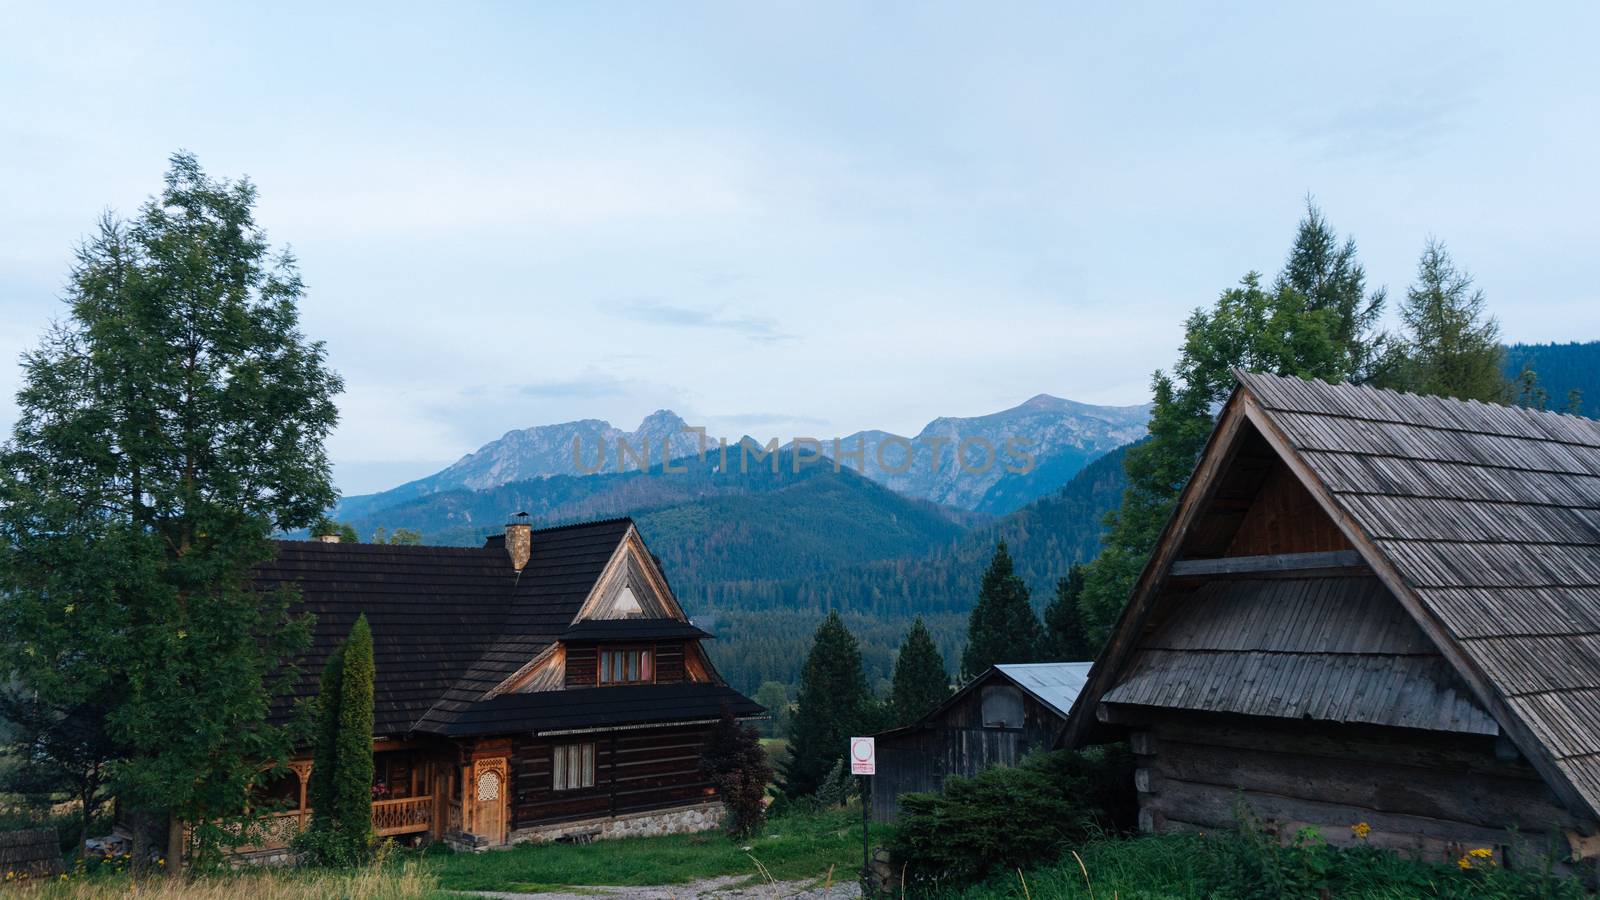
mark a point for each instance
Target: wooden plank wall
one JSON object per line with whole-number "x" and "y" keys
{"x": 1284, "y": 518}
{"x": 583, "y": 662}
{"x": 635, "y": 771}
{"x": 1430, "y": 795}
{"x": 920, "y": 761}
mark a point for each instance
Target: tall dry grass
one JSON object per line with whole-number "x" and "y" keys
{"x": 404, "y": 882}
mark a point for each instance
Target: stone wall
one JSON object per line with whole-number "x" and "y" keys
{"x": 703, "y": 817}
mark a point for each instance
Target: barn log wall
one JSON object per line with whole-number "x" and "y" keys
{"x": 919, "y": 760}
{"x": 1427, "y": 794}
{"x": 635, "y": 771}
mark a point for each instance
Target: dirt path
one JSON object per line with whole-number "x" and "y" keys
{"x": 724, "y": 888}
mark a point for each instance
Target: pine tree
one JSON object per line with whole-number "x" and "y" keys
{"x": 920, "y": 680}
{"x": 1316, "y": 322}
{"x": 1003, "y": 627}
{"x": 1065, "y": 639}
{"x": 736, "y": 764}
{"x": 325, "y": 746}
{"x": 353, "y": 767}
{"x": 1449, "y": 349}
{"x": 832, "y": 703}
{"x": 169, "y": 425}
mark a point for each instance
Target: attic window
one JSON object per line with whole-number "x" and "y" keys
{"x": 626, "y": 604}
{"x": 1002, "y": 707}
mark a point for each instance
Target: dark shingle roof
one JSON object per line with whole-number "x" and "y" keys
{"x": 448, "y": 623}
{"x": 607, "y": 707}
{"x": 1491, "y": 516}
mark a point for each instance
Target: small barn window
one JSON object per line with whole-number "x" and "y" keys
{"x": 572, "y": 767}
{"x": 1002, "y": 707}
{"x": 625, "y": 666}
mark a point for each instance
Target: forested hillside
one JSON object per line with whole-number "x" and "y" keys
{"x": 764, "y": 626}
{"x": 707, "y": 525}
{"x": 1561, "y": 368}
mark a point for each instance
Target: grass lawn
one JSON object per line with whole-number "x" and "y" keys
{"x": 796, "y": 846}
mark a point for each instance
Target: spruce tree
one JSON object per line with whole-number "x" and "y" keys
{"x": 1449, "y": 348}
{"x": 1316, "y": 321}
{"x": 166, "y": 429}
{"x": 1065, "y": 639}
{"x": 920, "y": 681}
{"x": 1003, "y": 627}
{"x": 353, "y": 767}
{"x": 832, "y": 703}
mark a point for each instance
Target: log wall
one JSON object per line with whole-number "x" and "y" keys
{"x": 1427, "y": 794}
{"x": 635, "y": 771}
{"x": 920, "y": 759}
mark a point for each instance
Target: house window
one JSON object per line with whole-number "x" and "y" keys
{"x": 625, "y": 666}
{"x": 572, "y": 767}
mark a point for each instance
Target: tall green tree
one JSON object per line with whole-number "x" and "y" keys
{"x": 325, "y": 744}
{"x": 353, "y": 766}
{"x": 1316, "y": 321}
{"x": 920, "y": 681}
{"x": 1003, "y": 627}
{"x": 166, "y": 427}
{"x": 1065, "y": 638}
{"x": 833, "y": 702}
{"x": 1449, "y": 348}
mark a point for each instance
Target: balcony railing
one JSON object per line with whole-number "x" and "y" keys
{"x": 407, "y": 815}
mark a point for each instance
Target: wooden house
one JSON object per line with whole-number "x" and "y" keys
{"x": 547, "y": 684}
{"x": 994, "y": 720}
{"x": 1374, "y": 613}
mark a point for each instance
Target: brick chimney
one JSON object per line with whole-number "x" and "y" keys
{"x": 519, "y": 540}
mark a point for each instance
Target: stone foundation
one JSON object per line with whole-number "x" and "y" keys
{"x": 684, "y": 820}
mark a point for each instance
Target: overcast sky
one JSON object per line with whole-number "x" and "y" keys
{"x": 798, "y": 218}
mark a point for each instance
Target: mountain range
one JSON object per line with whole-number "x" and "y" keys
{"x": 993, "y": 463}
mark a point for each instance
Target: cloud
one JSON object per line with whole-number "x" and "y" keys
{"x": 652, "y": 312}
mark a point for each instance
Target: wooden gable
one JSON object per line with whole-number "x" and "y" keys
{"x": 1364, "y": 458}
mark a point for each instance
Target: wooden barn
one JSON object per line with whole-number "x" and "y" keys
{"x": 996, "y": 719}
{"x": 547, "y": 684}
{"x": 1370, "y": 609}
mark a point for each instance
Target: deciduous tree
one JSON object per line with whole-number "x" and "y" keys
{"x": 736, "y": 764}
{"x": 166, "y": 428}
{"x": 1316, "y": 321}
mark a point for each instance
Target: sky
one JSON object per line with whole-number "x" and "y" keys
{"x": 797, "y": 218}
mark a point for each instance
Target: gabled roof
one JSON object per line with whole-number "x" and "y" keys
{"x": 448, "y": 623}
{"x": 1055, "y": 685}
{"x": 1482, "y": 520}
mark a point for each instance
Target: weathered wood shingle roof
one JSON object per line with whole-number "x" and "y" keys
{"x": 1490, "y": 517}
{"x": 448, "y": 623}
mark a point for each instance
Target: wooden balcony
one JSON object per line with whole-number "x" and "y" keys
{"x": 407, "y": 815}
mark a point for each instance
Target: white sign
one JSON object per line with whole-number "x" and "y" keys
{"x": 863, "y": 756}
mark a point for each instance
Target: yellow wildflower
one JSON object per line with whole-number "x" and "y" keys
{"x": 1361, "y": 830}
{"x": 1481, "y": 853}
{"x": 1464, "y": 863}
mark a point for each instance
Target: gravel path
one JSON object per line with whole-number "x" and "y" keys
{"x": 724, "y": 888}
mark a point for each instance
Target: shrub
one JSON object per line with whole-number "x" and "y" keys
{"x": 340, "y": 789}
{"x": 737, "y": 765}
{"x": 1000, "y": 818}
{"x": 837, "y": 787}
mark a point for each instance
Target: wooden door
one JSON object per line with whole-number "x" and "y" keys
{"x": 488, "y": 798}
